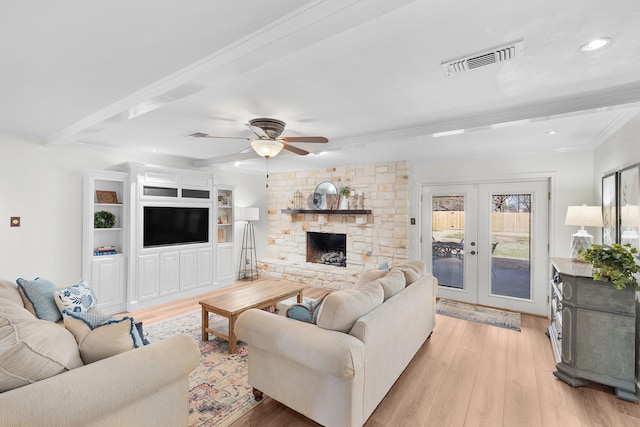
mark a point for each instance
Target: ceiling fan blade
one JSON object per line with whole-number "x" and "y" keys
{"x": 206, "y": 135}
{"x": 238, "y": 157}
{"x": 296, "y": 150}
{"x": 321, "y": 139}
{"x": 258, "y": 131}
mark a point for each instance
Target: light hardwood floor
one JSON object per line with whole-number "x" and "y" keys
{"x": 466, "y": 374}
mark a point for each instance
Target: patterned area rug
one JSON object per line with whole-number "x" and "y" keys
{"x": 218, "y": 389}
{"x": 475, "y": 313}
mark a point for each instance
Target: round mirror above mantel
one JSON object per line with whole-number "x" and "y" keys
{"x": 324, "y": 189}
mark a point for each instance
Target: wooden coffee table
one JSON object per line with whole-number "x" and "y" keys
{"x": 231, "y": 304}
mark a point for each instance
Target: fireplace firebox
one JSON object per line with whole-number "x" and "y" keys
{"x": 327, "y": 248}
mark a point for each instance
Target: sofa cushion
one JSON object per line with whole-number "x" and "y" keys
{"x": 392, "y": 283}
{"x": 100, "y": 336}
{"x": 306, "y": 311}
{"x": 369, "y": 276}
{"x": 76, "y": 298}
{"x": 341, "y": 309}
{"x": 413, "y": 270}
{"x": 32, "y": 349}
{"x": 9, "y": 292}
{"x": 37, "y": 296}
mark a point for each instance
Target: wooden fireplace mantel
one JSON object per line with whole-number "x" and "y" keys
{"x": 328, "y": 211}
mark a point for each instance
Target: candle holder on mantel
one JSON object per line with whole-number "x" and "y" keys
{"x": 298, "y": 200}
{"x": 354, "y": 200}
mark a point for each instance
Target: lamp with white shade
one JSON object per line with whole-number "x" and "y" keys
{"x": 248, "y": 259}
{"x": 583, "y": 216}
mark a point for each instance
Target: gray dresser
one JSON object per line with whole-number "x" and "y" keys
{"x": 592, "y": 329}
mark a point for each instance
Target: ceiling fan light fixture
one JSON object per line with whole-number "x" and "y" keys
{"x": 267, "y": 147}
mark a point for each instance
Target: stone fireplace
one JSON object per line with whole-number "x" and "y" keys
{"x": 327, "y": 248}
{"x": 370, "y": 239}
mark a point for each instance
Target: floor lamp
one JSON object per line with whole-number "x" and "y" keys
{"x": 248, "y": 260}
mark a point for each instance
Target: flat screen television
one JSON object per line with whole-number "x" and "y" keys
{"x": 166, "y": 226}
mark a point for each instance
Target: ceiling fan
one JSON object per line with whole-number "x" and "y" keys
{"x": 268, "y": 141}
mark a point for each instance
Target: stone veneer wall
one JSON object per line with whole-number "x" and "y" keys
{"x": 372, "y": 239}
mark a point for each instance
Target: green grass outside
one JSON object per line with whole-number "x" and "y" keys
{"x": 510, "y": 245}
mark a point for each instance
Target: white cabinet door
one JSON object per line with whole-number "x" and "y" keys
{"x": 204, "y": 267}
{"x": 148, "y": 276}
{"x": 108, "y": 283}
{"x": 225, "y": 264}
{"x": 188, "y": 269}
{"x": 169, "y": 272}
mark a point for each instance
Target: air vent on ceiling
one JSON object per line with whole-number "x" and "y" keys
{"x": 502, "y": 53}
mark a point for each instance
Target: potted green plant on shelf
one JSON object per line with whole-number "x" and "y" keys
{"x": 615, "y": 264}
{"x": 344, "y": 201}
{"x": 104, "y": 219}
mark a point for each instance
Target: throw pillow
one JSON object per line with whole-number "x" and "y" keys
{"x": 144, "y": 339}
{"x": 341, "y": 309}
{"x": 392, "y": 283}
{"x": 37, "y": 296}
{"x": 9, "y": 292}
{"x": 369, "y": 276}
{"x": 76, "y": 298}
{"x": 100, "y": 336}
{"x": 32, "y": 349}
{"x": 306, "y": 311}
{"x": 413, "y": 270}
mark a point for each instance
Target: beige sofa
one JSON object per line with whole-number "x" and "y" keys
{"x": 337, "y": 371}
{"x": 142, "y": 387}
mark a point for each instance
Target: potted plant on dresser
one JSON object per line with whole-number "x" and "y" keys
{"x": 616, "y": 264}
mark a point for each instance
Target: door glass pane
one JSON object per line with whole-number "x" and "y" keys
{"x": 447, "y": 230}
{"x": 511, "y": 245}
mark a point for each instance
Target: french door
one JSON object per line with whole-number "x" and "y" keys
{"x": 487, "y": 243}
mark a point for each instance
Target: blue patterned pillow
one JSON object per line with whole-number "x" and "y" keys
{"x": 76, "y": 298}
{"x": 37, "y": 295}
{"x": 95, "y": 320}
{"x": 100, "y": 336}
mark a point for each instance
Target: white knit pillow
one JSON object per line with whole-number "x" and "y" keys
{"x": 368, "y": 276}
{"x": 413, "y": 270}
{"x": 341, "y": 309}
{"x": 392, "y": 283}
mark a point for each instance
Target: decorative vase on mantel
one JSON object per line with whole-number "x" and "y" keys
{"x": 344, "y": 203}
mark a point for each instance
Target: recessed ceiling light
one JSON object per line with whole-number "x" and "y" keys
{"x": 448, "y": 133}
{"x": 552, "y": 132}
{"x": 155, "y": 150}
{"x": 595, "y": 44}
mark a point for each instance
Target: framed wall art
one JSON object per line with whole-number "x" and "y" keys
{"x": 628, "y": 202}
{"x": 610, "y": 209}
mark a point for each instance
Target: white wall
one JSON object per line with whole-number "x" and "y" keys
{"x": 571, "y": 174}
{"x": 622, "y": 149}
{"x": 43, "y": 186}
{"x": 250, "y": 191}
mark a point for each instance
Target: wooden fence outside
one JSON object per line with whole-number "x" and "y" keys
{"x": 510, "y": 222}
